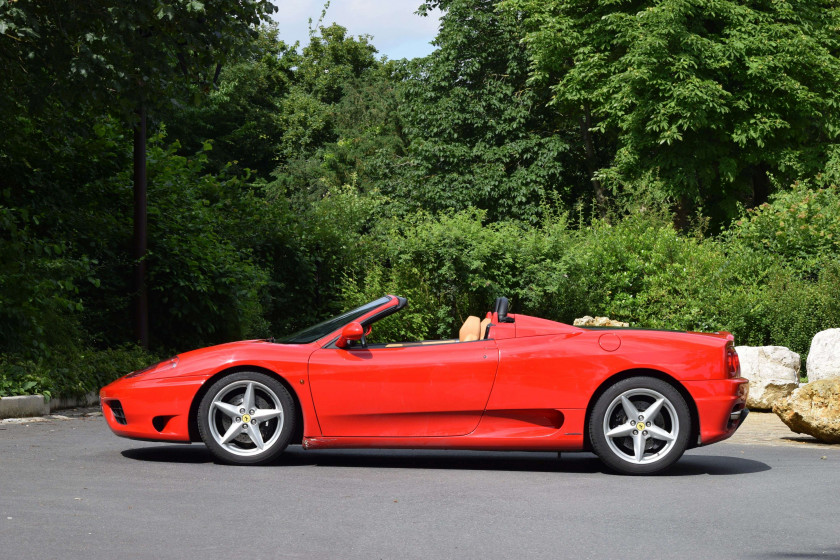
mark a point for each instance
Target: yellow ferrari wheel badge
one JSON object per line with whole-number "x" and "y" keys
{"x": 640, "y": 426}
{"x": 246, "y": 418}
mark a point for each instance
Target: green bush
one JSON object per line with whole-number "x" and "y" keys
{"x": 39, "y": 281}
{"x": 635, "y": 268}
{"x": 19, "y": 376}
{"x": 788, "y": 253}
{"x": 69, "y": 374}
{"x": 793, "y": 309}
{"x": 450, "y": 267}
{"x": 308, "y": 246}
{"x": 204, "y": 284}
{"x": 800, "y": 226}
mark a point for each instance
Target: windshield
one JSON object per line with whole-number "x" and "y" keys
{"x": 313, "y": 333}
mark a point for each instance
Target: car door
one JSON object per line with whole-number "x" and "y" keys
{"x": 408, "y": 391}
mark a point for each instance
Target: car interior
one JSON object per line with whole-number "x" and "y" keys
{"x": 473, "y": 329}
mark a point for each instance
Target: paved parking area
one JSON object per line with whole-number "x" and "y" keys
{"x": 765, "y": 428}
{"x": 70, "y": 489}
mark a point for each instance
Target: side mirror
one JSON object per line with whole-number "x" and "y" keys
{"x": 351, "y": 331}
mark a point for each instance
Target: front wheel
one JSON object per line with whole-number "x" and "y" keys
{"x": 640, "y": 425}
{"x": 246, "y": 418}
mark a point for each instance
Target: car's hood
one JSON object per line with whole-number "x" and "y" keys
{"x": 225, "y": 347}
{"x": 211, "y": 359}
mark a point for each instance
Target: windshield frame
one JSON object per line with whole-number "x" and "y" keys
{"x": 324, "y": 328}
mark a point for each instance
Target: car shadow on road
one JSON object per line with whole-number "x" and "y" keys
{"x": 832, "y": 553}
{"x": 583, "y": 463}
{"x": 187, "y": 454}
{"x": 716, "y": 465}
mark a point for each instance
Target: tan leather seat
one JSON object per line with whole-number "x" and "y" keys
{"x": 484, "y": 323}
{"x": 470, "y": 330}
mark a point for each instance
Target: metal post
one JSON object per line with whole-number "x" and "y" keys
{"x": 141, "y": 301}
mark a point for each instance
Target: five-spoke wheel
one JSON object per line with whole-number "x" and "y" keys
{"x": 246, "y": 418}
{"x": 640, "y": 425}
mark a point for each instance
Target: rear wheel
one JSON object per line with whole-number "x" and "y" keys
{"x": 246, "y": 418}
{"x": 640, "y": 425}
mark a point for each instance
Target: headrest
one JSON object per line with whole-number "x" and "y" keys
{"x": 470, "y": 330}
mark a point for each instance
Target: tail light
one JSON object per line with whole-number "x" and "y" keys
{"x": 733, "y": 363}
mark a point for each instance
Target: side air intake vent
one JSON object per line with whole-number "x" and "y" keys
{"x": 117, "y": 411}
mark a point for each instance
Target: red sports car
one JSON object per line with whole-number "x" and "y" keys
{"x": 637, "y": 398}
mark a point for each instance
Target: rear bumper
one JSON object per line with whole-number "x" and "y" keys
{"x": 721, "y": 407}
{"x": 154, "y": 409}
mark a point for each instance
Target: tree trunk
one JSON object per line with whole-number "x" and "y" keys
{"x": 760, "y": 184}
{"x": 141, "y": 301}
{"x": 682, "y": 213}
{"x": 591, "y": 163}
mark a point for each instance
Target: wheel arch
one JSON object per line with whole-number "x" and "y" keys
{"x": 643, "y": 372}
{"x": 192, "y": 421}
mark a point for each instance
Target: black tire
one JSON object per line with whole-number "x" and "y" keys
{"x": 645, "y": 443}
{"x": 231, "y": 434}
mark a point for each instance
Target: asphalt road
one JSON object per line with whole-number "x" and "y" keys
{"x": 70, "y": 489}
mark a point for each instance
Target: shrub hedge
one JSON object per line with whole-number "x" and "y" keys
{"x": 773, "y": 278}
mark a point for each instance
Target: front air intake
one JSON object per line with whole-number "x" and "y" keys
{"x": 117, "y": 411}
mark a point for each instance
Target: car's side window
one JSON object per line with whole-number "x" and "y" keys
{"x": 397, "y": 330}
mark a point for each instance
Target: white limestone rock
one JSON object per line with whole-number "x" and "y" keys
{"x": 824, "y": 356}
{"x": 773, "y": 372}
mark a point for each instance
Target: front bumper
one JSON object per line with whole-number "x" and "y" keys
{"x": 150, "y": 409}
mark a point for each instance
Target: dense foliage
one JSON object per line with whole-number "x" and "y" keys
{"x": 480, "y": 136}
{"x": 702, "y": 100}
{"x": 661, "y": 162}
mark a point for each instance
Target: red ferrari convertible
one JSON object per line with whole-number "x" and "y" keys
{"x": 637, "y": 398}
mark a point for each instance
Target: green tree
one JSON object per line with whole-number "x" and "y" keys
{"x": 478, "y": 135}
{"x": 330, "y": 66}
{"x": 125, "y": 57}
{"x": 705, "y": 100}
{"x": 243, "y": 115}
{"x": 319, "y": 127}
